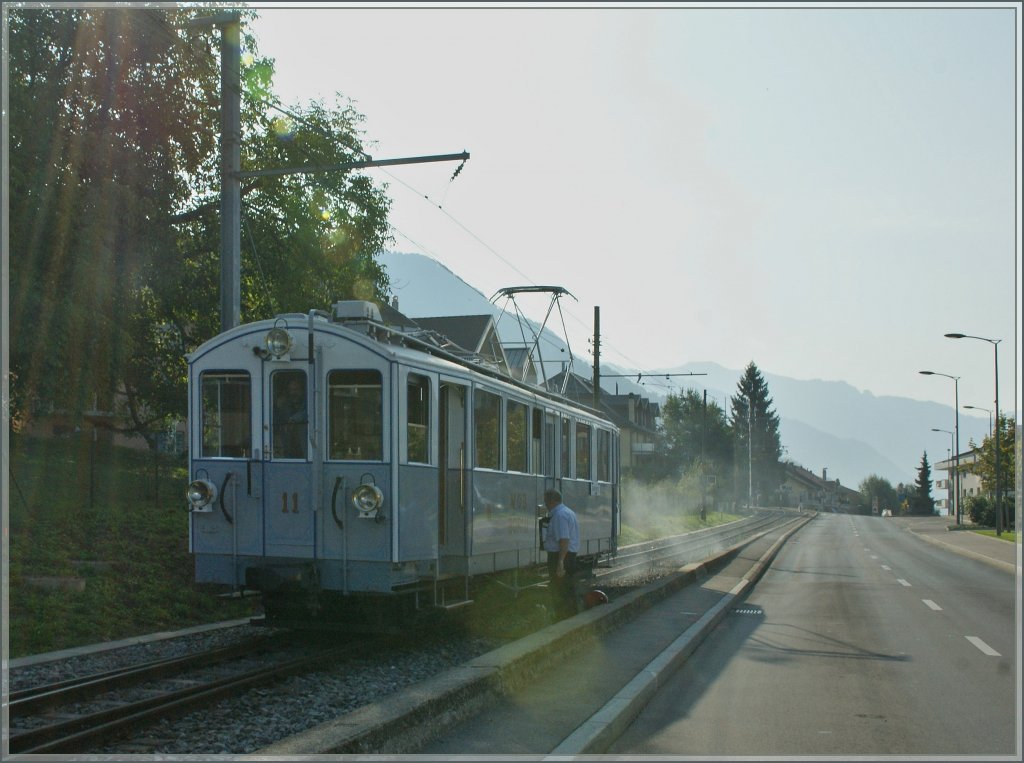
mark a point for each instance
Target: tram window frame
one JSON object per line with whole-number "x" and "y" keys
{"x": 482, "y": 401}
{"x": 288, "y": 429}
{"x": 549, "y": 443}
{"x": 517, "y": 436}
{"x": 241, "y": 445}
{"x": 583, "y": 439}
{"x": 417, "y": 419}
{"x": 365, "y": 418}
{"x": 565, "y": 457}
{"x": 604, "y": 454}
{"x": 536, "y": 440}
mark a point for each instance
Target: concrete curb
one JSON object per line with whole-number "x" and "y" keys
{"x": 598, "y": 732}
{"x": 411, "y": 717}
{"x": 38, "y": 659}
{"x": 1007, "y": 566}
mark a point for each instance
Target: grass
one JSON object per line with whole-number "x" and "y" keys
{"x": 1008, "y": 535}
{"x": 666, "y": 526}
{"x": 113, "y": 519}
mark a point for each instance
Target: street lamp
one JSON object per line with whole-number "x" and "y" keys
{"x": 948, "y": 492}
{"x": 999, "y": 492}
{"x": 956, "y": 428}
{"x": 987, "y": 410}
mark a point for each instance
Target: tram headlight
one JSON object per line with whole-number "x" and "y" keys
{"x": 201, "y": 493}
{"x": 367, "y": 499}
{"x": 278, "y": 342}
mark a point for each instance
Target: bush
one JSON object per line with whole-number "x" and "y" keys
{"x": 981, "y": 510}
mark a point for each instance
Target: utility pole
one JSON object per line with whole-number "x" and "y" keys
{"x": 703, "y": 475}
{"x": 230, "y": 164}
{"x": 750, "y": 453}
{"x": 230, "y": 183}
{"x": 597, "y": 357}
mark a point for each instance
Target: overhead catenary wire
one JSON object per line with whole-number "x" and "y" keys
{"x": 276, "y": 105}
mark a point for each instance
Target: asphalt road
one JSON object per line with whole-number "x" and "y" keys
{"x": 861, "y": 639}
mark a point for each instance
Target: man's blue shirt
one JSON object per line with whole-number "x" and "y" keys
{"x": 563, "y": 525}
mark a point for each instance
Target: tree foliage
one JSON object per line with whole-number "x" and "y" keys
{"x": 755, "y": 436}
{"x": 985, "y": 466}
{"x": 115, "y": 224}
{"x": 873, "y": 486}
{"x": 694, "y": 433}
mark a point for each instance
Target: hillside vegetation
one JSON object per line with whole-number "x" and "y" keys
{"x": 99, "y": 546}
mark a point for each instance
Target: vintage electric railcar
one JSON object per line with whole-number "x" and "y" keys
{"x": 351, "y": 470}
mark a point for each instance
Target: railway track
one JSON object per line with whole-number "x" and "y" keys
{"x": 84, "y": 713}
{"x": 649, "y": 556}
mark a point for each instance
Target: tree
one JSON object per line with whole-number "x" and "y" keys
{"x": 106, "y": 122}
{"x": 873, "y": 486}
{"x": 694, "y": 443}
{"x": 921, "y": 501}
{"x": 114, "y": 207}
{"x": 755, "y": 436}
{"x": 985, "y": 465}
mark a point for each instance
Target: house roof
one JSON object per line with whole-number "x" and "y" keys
{"x": 467, "y": 331}
{"x": 475, "y": 334}
{"x": 810, "y": 479}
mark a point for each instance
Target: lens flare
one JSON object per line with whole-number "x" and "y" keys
{"x": 283, "y": 127}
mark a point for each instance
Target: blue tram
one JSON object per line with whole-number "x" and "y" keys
{"x": 342, "y": 466}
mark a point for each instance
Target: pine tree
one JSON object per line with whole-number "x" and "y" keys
{"x": 755, "y": 429}
{"x": 921, "y": 501}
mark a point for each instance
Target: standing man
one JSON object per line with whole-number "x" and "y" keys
{"x": 562, "y": 542}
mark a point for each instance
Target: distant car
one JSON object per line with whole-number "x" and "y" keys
{"x": 886, "y": 512}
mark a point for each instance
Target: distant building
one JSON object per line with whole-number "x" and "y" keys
{"x": 802, "y": 488}
{"x": 970, "y": 484}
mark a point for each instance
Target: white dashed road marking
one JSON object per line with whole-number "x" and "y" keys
{"x": 903, "y": 582}
{"x": 932, "y": 604}
{"x": 985, "y": 648}
{"x": 887, "y": 567}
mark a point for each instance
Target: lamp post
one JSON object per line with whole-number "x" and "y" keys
{"x": 956, "y": 429}
{"x": 999, "y": 492}
{"x": 948, "y": 492}
{"x": 987, "y": 410}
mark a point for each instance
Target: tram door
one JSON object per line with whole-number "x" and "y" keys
{"x": 451, "y": 515}
{"x": 288, "y": 518}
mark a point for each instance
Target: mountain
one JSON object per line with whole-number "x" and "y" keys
{"x": 824, "y": 425}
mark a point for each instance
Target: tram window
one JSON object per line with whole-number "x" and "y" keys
{"x": 289, "y": 421}
{"x": 536, "y": 433}
{"x": 582, "y": 451}
{"x": 518, "y": 415}
{"x": 226, "y": 416}
{"x": 487, "y": 429}
{"x": 418, "y": 413}
{"x": 354, "y": 420}
{"x": 565, "y": 448}
{"x": 604, "y": 453}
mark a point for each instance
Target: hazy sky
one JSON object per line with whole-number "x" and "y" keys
{"x": 824, "y": 191}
